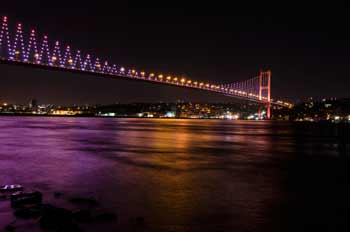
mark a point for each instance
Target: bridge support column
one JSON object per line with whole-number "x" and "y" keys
{"x": 268, "y": 105}
{"x": 268, "y": 111}
{"x": 265, "y": 88}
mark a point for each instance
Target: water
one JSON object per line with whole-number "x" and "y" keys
{"x": 184, "y": 175}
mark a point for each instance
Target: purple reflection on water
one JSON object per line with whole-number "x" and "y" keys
{"x": 180, "y": 175}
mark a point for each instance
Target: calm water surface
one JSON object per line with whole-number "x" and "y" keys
{"x": 184, "y": 175}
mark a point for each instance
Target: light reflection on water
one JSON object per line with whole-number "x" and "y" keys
{"x": 181, "y": 175}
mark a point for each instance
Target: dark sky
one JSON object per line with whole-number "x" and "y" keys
{"x": 306, "y": 45}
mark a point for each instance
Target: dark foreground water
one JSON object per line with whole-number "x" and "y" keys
{"x": 184, "y": 175}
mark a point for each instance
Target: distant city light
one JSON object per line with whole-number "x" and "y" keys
{"x": 250, "y": 117}
{"x": 170, "y": 114}
{"x": 111, "y": 114}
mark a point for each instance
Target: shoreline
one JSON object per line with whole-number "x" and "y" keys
{"x": 150, "y": 118}
{"x": 134, "y": 117}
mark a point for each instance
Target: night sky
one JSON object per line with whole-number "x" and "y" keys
{"x": 307, "y": 47}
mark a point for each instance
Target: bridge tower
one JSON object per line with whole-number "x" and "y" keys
{"x": 265, "y": 90}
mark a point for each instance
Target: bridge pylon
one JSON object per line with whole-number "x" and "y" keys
{"x": 265, "y": 90}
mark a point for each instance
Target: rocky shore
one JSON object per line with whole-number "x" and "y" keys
{"x": 27, "y": 210}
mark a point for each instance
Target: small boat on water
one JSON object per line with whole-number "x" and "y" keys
{"x": 11, "y": 188}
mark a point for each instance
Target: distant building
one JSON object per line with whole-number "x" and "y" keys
{"x": 33, "y": 104}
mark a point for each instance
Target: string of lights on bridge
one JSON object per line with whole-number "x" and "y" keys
{"x": 28, "y": 50}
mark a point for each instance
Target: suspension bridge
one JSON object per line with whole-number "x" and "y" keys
{"x": 17, "y": 47}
